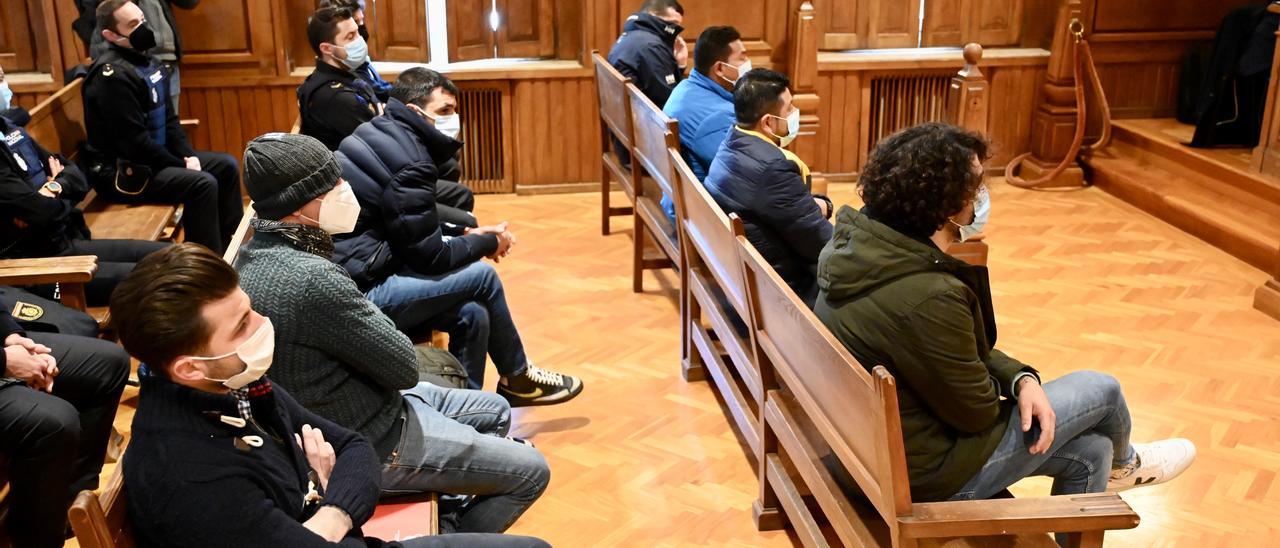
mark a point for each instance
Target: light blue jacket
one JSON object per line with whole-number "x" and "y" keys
{"x": 705, "y": 112}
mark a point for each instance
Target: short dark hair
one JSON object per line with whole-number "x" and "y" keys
{"x": 758, "y": 93}
{"x": 919, "y": 177}
{"x": 415, "y": 85}
{"x": 660, "y": 6}
{"x": 713, "y": 46}
{"x": 106, "y": 14}
{"x": 156, "y": 311}
{"x": 352, "y": 5}
{"x": 322, "y": 26}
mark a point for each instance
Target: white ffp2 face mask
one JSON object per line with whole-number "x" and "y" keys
{"x": 339, "y": 210}
{"x": 742, "y": 70}
{"x": 793, "y": 128}
{"x": 256, "y": 352}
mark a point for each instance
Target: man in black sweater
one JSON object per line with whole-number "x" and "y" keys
{"x": 137, "y": 151}
{"x": 58, "y": 398}
{"x": 220, "y": 456}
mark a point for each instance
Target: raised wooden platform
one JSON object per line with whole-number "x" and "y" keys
{"x": 1209, "y": 193}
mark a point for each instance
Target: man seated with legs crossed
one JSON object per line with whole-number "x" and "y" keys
{"x": 346, "y": 361}
{"x": 974, "y": 420}
{"x": 399, "y": 256}
{"x": 220, "y": 455}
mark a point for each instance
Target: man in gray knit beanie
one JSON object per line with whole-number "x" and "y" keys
{"x": 343, "y": 359}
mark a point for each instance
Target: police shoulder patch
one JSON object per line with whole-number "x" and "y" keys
{"x": 108, "y": 70}
{"x": 336, "y": 85}
{"x": 27, "y": 312}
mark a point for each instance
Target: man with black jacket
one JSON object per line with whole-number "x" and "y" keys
{"x": 220, "y": 455}
{"x": 38, "y": 215}
{"x": 58, "y": 398}
{"x": 767, "y": 185}
{"x": 650, "y": 51}
{"x": 159, "y": 13}
{"x": 333, "y": 101}
{"x": 137, "y": 151}
{"x": 399, "y": 254}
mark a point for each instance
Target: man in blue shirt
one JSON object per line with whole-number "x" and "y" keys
{"x": 703, "y": 103}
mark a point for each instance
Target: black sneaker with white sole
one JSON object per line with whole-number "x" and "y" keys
{"x": 538, "y": 386}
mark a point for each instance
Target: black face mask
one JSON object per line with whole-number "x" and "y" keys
{"x": 142, "y": 38}
{"x": 364, "y": 32}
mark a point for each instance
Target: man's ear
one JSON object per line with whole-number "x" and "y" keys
{"x": 184, "y": 369}
{"x": 110, "y": 35}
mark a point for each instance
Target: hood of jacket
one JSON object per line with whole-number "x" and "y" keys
{"x": 648, "y": 22}
{"x": 865, "y": 254}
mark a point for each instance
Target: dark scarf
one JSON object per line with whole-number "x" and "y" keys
{"x": 302, "y": 237}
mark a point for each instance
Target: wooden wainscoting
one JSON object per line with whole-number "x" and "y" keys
{"x": 556, "y": 136}
{"x": 230, "y": 117}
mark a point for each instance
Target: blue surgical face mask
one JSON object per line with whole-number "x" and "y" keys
{"x": 6, "y": 96}
{"x": 357, "y": 53}
{"x": 981, "y": 214}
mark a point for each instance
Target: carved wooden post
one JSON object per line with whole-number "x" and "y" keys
{"x": 803, "y": 62}
{"x": 968, "y": 99}
{"x": 1053, "y": 124}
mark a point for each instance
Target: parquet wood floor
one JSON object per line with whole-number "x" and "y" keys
{"x": 1081, "y": 280}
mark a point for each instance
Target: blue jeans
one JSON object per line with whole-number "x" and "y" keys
{"x": 1091, "y": 438}
{"x": 473, "y": 297}
{"x": 452, "y": 442}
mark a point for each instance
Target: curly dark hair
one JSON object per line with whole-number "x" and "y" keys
{"x": 919, "y": 177}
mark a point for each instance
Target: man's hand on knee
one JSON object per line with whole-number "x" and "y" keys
{"x": 193, "y": 163}
{"x": 1034, "y": 404}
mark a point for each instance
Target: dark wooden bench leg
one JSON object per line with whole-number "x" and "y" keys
{"x": 605, "y": 210}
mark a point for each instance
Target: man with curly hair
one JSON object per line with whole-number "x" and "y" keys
{"x": 755, "y": 176}
{"x": 974, "y": 420}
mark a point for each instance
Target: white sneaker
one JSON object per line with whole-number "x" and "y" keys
{"x": 1157, "y": 462}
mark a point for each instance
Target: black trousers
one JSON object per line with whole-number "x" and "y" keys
{"x": 56, "y": 442}
{"x": 454, "y": 203}
{"x": 212, "y": 205}
{"x": 116, "y": 259}
{"x": 40, "y": 314}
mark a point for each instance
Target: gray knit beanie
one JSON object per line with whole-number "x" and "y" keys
{"x": 284, "y": 171}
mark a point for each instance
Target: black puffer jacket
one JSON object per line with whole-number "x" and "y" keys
{"x": 392, "y": 164}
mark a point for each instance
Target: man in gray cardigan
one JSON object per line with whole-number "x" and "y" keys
{"x": 344, "y": 360}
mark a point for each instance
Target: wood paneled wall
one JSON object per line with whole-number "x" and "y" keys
{"x": 1013, "y": 92}
{"x": 556, "y": 139}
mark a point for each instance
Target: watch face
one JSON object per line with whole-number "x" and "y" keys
{"x": 55, "y": 186}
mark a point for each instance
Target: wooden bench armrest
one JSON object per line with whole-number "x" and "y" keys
{"x": 1063, "y": 513}
{"x": 189, "y": 123}
{"x": 74, "y": 269}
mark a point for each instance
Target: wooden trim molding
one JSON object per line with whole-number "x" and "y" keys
{"x": 926, "y": 58}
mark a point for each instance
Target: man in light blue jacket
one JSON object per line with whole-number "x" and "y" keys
{"x": 703, "y": 103}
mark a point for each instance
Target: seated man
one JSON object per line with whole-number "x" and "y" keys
{"x": 650, "y": 51}
{"x": 136, "y": 149}
{"x": 399, "y": 257}
{"x": 338, "y": 96}
{"x": 346, "y": 361}
{"x": 366, "y": 71}
{"x": 58, "y": 399}
{"x": 38, "y": 215}
{"x": 159, "y": 13}
{"x": 974, "y": 420}
{"x": 703, "y": 103}
{"x": 220, "y": 455}
{"x": 767, "y": 185}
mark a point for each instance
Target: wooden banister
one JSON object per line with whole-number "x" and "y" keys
{"x": 968, "y": 98}
{"x": 1056, "y": 108}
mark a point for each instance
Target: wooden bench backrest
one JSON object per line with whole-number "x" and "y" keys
{"x": 102, "y": 522}
{"x": 615, "y": 108}
{"x": 655, "y": 134}
{"x": 243, "y": 234}
{"x": 711, "y": 235}
{"x": 57, "y": 123}
{"x": 853, "y": 410}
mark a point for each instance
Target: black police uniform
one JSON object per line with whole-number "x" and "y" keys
{"x": 334, "y": 102}
{"x": 35, "y": 225}
{"x": 645, "y": 53}
{"x": 55, "y": 442}
{"x": 132, "y": 127}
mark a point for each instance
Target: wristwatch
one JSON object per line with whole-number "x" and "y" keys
{"x": 54, "y": 187}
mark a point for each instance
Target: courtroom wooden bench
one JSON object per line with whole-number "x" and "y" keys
{"x": 714, "y": 304}
{"x": 615, "y": 122}
{"x": 826, "y": 416}
{"x": 654, "y": 134}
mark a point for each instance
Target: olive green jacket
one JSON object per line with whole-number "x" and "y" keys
{"x": 904, "y": 304}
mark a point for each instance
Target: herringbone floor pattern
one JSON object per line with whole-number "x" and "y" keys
{"x": 1081, "y": 280}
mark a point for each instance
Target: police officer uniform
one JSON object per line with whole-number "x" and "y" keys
{"x": 645, "y": 53}
{"x": 36, "y": 225}
{"x": 334, "y": 102}
{"x": 136, "y": 148}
